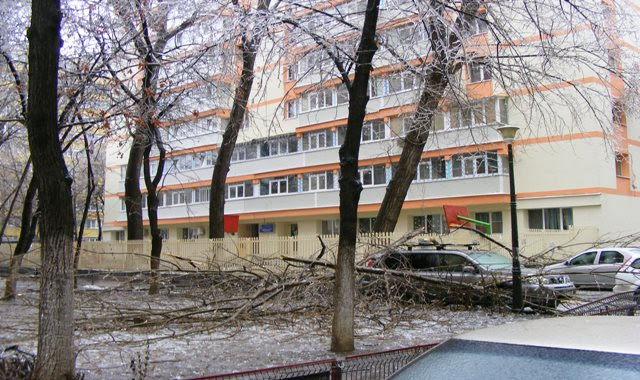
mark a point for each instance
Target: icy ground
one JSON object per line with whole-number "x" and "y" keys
{"x": 184, "y": 350}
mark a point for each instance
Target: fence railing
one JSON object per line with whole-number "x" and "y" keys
{"x": 266, "y": 252}
{"x": 372, "y": 366}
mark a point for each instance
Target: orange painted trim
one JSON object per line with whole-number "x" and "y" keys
{"x": 550, "y": 139}
{"x": 223, "y": 113}
{"x": 583, "y": 191}
{"x": 557, "y": 86}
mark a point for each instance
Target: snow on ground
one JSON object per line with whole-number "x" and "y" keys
{"x": 184, "y": 351}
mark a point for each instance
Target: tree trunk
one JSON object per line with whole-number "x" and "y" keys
{"x": 27, "y": 232}
{"x": 133, "y": 195}
{"x": 238, "y": 109}
{"x": 350, "y": 187}
{"x": 56, "y": 356}
{"x": 152, "y": 204}
{"x": 91, "y": 186}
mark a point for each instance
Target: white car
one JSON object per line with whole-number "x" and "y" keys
{"x": 551, "y": 348}
{"x": 628, "y": 277}
{"x": 595, "y": 268}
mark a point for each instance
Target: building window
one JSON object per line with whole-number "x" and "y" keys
{"x": 479, "y": 113}
{"x": 373, "y": 131}
{"x": 242, "y": 152}
{"x": 120, "y": 235}
{"x": 376, "y": 87}
{"x": 373, "y": 175}
{"x": 474, "y": 164}
{"x": 550, "y": 219}
{"x": 316, "y": 100}
{"x": 317, "y": 181}
{"x": 622, "y": 165}
{"x": 342, "y": 94}
{"x": 279, "y": 185}
{"x": 164, "y": 233}
{"x": 317, "y": 139}
{"x": 402, "y": 82}
{"x": 365, "y": 225}
{"x": 192, "y": 233}
{"x": 123, "y": 205}
{"x": 279, "y": 146}
{"x": 331, "y": 227}
{"x": 201, "y": 194}
{"x": 292, "y": 109}
{"x": 90, "y": 223}
{"x": 478, "y": 72}
{"x": 434, "y": 223}
{"x": 430, "y": 169}
{"x": 494, "y": 218}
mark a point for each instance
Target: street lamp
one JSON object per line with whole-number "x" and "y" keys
{"x": 508, "y": 134}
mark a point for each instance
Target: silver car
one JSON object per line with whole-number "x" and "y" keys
{"x": 476, "y": 267}
{"x": 595, "y": 268}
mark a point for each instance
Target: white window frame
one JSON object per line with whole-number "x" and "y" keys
{"x": 280, "y": 182}
{"x": 369, "y": 126}
{"x": 483, "y": 67}
{"x": 234, "y": 190}
{"x": 363, "y": 170}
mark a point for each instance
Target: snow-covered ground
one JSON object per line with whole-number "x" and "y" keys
{"x": 187, "y": 350}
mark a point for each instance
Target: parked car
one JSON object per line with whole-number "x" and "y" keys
{"x": 628, "y": 277}
{"x": 551, "y": 348}
{"x": 471, "y": 266}
{"x": 595, "y": 268}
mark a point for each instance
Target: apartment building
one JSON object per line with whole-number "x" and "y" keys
{"x": 573, "y": 169}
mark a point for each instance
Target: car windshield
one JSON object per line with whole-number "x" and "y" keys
{"x": 491, "y": 260}
{"x": 468, "y": 359}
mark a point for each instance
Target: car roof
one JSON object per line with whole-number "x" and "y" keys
{"x": 593, "y": 333}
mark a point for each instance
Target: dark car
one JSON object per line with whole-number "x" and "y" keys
{"x": 474, "y": 267}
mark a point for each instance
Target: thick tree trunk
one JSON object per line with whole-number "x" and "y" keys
{"x": 56, "y": 356}
{"x": 342, "y": 337}
{"x": 28, "y": 225}
{"x": 238, "y": 109}
{"x": 133, "y": 195}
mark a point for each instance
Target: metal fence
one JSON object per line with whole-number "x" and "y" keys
{"x": 627, "y": 303}
{"x": 372, "y": 366}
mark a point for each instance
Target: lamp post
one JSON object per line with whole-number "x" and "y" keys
{"x": 508, "y": 134}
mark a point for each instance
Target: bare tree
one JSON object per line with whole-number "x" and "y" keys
{"x": 249, "y": 43}
{"x": 56, "y": 354}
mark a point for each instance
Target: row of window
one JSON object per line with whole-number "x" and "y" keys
{"x": 179, "y": 163}
{"x": 329, "y": 97}
{"x": 462, "y": 165}
{"x": 265, "y": 148}
{"x": 480, "y": 113}
{"x": 193, "y": 128}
